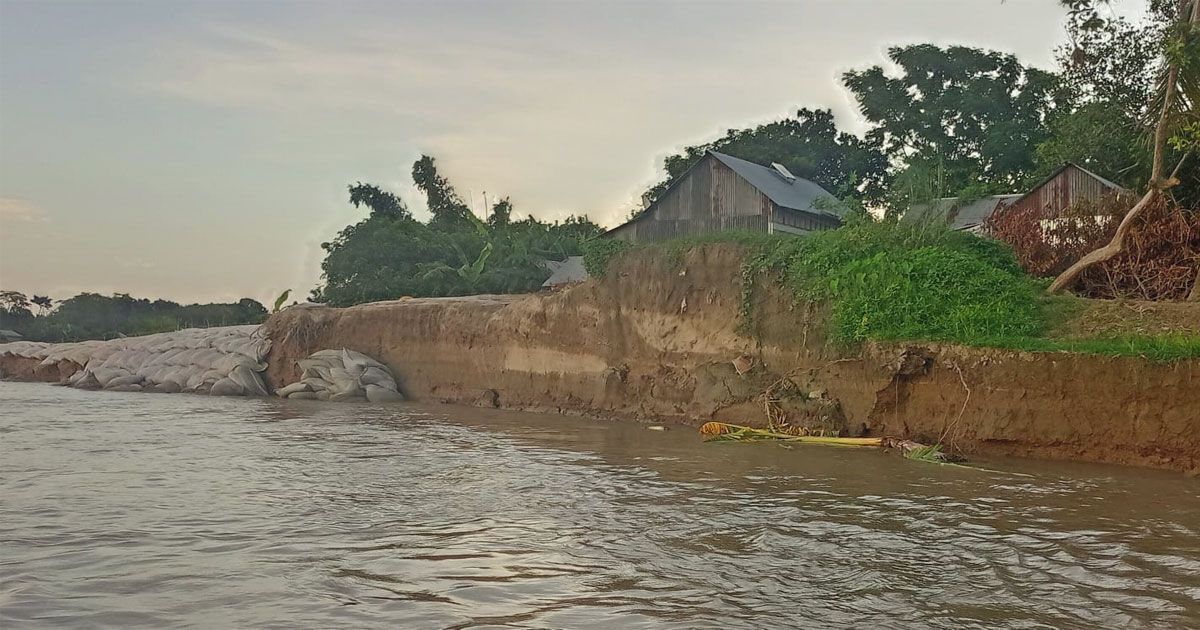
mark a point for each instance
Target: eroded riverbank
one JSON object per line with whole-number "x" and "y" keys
{"x": 661, "y": 342}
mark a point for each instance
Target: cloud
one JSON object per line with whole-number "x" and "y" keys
{"x": 553, "y": 118}
{"x": 21, "y": 211}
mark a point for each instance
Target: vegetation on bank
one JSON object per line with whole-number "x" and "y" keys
{"x": 391, "y": 254}
{"x": 95, "y": 316}
{"x": 889, "y": 281}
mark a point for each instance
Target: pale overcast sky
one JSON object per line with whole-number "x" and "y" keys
{"x": 201, "y": 150}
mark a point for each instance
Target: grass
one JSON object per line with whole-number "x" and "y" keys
{"x": 910, "y": 282}
{"x": 598, "y": 253}
{"x": 1162, "y": 348}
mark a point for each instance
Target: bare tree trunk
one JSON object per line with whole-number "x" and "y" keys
{"x": 1195, "y": 295}
{"x": 1157, "y": 181}
{"x": 1114, "y": 247}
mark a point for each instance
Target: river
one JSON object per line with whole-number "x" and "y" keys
{"x": 124, "y": 510}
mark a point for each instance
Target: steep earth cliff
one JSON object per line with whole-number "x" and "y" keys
{"x": 659, "y": 339}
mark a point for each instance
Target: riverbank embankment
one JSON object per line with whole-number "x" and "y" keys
{"x": 660, "y": 340}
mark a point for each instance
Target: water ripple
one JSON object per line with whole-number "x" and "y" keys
{"x": 131, "y": 510}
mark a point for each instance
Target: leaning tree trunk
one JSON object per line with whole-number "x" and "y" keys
{"x": 1195, "y": 295}
{"x": 1157, "y": 181}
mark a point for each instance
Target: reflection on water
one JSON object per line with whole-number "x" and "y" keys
{"x": 167, "y": 510}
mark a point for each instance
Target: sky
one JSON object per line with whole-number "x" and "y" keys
{"x": 200, "y": 151}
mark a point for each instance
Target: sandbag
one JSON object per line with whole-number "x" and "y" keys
{"x": 378, "y": 394}
{"x": 299, "y": 386}
{"x": 378, "y": 376}
{"x": 121, "y": 381}
{"x": 250, "y": 381}
{"x": 339, "y": 375}
{"x": 226, "y": 387}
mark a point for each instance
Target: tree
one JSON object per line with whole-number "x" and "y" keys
{"x": 1175, "y": 103}
{"x": 95, "y": 316}
{"x": 380, "y": 202}
{"x": 455, "y": 253}
{"x": 42, "y": 302}
{"x": 14, "y": 308}
{"x": 809, "y": 145}
{"x": 1100, "y": 136}
{"x": 958, "y": 116}
{"x": 13, "y": 300}
{"x": 448, "y": 210}
{"x": 501, "y": 214}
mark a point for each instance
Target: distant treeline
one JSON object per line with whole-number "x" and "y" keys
{"x": 95, "y": 316}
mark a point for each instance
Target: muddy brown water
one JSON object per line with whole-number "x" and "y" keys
{"x": 141, "y": 510}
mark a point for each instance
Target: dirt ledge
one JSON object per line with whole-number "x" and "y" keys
{"x": 659, "y": 342}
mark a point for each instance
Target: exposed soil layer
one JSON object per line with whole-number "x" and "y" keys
{"x": 660, "y": 341}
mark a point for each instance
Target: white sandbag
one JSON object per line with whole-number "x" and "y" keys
{"x": 249, "y": 380}
{"x": 106, "y": 374}
{"x": 317, "y": 384}
{"x": 121, "y": 381}
{"x": 377, "y": 394}
{"x": 341, "y": 376}
{"x": 344, "y": 374}
{"x": 354, "y": 394}
{"x": 226, "y": 387}
{"x": 299, "y": 386}
{"x": 302, "y": 396}
{"x": 125, "y": 388}
{"x": 378, "y": 376}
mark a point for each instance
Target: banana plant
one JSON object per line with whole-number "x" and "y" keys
{"x": 280, "y": 300}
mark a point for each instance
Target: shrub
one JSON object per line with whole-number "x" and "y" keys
{"x": 935, "y": 293}
{"x": 1161, "y": 254}
{"x": 599, "y": 252}
{"x": 897, "y": 281}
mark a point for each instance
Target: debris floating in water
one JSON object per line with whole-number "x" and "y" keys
{"x": 724, "y": 432}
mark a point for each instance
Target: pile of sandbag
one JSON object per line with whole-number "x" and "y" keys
{"x": 342, "y": 375}
{"x": 52, "y": 353}
{"x": 223, "y": 361}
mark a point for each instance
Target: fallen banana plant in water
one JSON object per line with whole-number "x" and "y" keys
{"x": 724, "y": 432}
{"x": 922, "y": 452}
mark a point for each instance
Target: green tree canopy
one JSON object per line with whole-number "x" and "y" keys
{"x": 960, "y": 117}
{"x": 390, "y": 255}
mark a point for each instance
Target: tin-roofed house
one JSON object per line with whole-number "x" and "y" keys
{"x": 720, "y": 192}
{"x": 1065, "y": 187}
{"x": 968, "y": 215}
{"x": 1068, "y": 185}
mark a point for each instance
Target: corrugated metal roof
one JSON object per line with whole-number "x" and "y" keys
{"x": 568, "y": 271}
{"x": 800, "y": 194}
{"x": 959, "y": 217}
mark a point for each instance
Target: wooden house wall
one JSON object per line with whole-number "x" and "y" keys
{"x": 1061, "y": 192}
{"x": 712, "y": 198}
